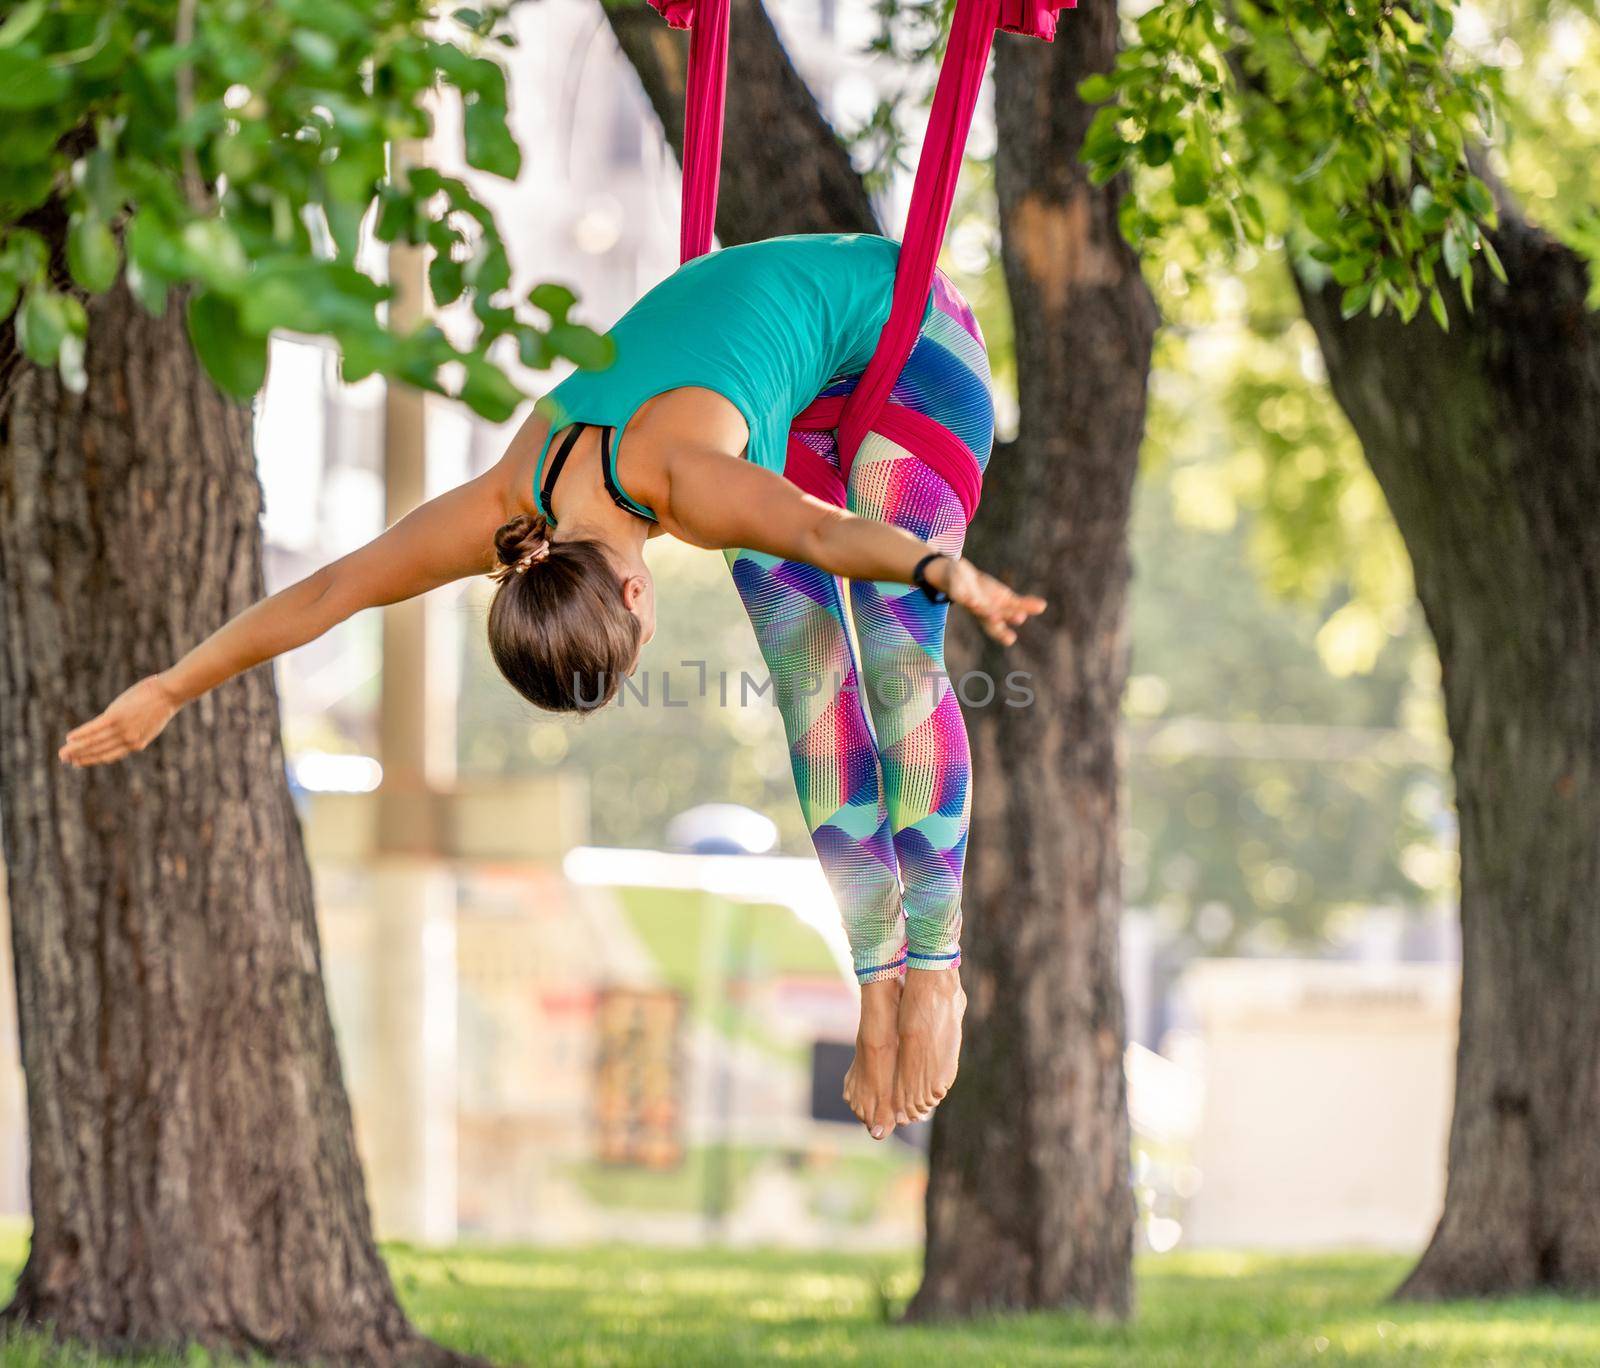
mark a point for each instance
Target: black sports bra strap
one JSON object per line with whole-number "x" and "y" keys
{"x": 612, "y": 488}
{"x": 553, "y": 470}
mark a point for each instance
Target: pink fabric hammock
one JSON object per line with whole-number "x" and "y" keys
{"x": 868, "y": 407}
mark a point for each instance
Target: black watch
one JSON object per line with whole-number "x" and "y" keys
{"x": 919, "y": 577}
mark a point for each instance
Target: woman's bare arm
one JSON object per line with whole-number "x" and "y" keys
{"x": 447, "y": 538}
{"x": 721, "y": 501}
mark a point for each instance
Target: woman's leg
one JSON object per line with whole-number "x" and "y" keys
{"x": 799, "y": 619}
{"x": 921, "y": 737}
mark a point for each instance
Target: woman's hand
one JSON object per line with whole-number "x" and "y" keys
{"x": 131, "y": 723}
{"x": 998, "y": 607}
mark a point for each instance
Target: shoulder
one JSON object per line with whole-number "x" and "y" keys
{"x": 515, "y": 472}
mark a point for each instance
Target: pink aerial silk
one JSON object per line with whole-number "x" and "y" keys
{"x": 867, "y": 408}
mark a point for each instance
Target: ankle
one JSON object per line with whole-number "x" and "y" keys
{"x": 934, "y": 983}
{"x": 882, "y": 996}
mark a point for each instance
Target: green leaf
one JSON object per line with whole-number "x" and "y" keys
{"x": 1191, "y": 185}
{"x": 1104, "y": 138}
{"x": 215, "y": 253}
{"x": 149, "y": 289}
{"x": 1354, "y": 300}
{"x": 489, "y": 270}
{"x": 366, "y": 353}
{"x": 43, "y": 322}
{"x": 490, "y": 146}
{"x": 1101, "y": 172}
{"x": 344, "y": 224}
{"x": 1493, "y": 258}
{"x": 309, "y": 297}
{"x": 1156, "y": 148}
{"x": 583, "y": 346}
{"x": 315, "y": 49}
{"x": 233, "y": 357}
{"x": 150, "y": 243}
{"x": 534, "y": 350}
{"x": 1348, "y": 270}
{"x": 555, "y": 300}
{"x": 96, "y": 175}
{"x": 1478, "y": 198}
{"x": 1440, "y": 313}
{"x": 92, "y": 253}
{"x": 445, "y": 278}
{"x": 20, "y": 22}
{"x": 1096, "y": 89}
{"x": 487, "y": 392}
{"x": 1254, "y": 219}
{"x": 1455, "y": 252}
{"x": 28, "y": 82}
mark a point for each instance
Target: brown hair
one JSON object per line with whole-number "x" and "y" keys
{"x": 558, "y": 627}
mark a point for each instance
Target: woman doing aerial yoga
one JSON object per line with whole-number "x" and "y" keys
{"x": 856, "y": 517}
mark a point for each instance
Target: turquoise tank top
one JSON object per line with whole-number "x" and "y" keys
{"x": 766, "y": 325}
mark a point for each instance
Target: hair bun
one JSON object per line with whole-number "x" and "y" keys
{"x": 521, "y": 543}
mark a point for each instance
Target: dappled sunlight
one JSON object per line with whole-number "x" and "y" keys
{"x": 1240, "y": 1308}
{"x": 613, "y": 1307}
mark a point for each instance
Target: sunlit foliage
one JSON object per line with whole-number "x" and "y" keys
{"x": 242, "y": 150}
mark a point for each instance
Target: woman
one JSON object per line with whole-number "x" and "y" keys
{"x": 687, "y": 433}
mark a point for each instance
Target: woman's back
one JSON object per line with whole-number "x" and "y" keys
{"x": 766, "y": 325}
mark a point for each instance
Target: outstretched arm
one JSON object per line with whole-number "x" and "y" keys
{"x": 721, "y": 501}
{"x": 447, "y": 538}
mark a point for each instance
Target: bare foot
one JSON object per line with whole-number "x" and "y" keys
{"x": 931, "y": 1007}
{"x": 869, "y": 1082}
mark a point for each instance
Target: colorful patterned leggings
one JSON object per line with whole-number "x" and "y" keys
{"x": 876, "y": 738}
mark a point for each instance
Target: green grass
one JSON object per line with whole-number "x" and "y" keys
{"x": 665, "y": 1307}
{"x": 673, "y": 923}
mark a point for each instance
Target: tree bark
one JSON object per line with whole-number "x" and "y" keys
{"x": 1029, "y": 1201}
{"x": 1486, "y": 442}
{"x": 783, "y": 169}
{"x": 193, "y": 1172}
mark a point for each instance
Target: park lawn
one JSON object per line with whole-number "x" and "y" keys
{"x": 624, "y": 1306}
{"x": 673, "y": 923}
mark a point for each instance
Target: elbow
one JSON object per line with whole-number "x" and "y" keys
{"x": 318, "y": 586}
{"x": 817, "y": 541}
{"x": 325, "y": 601}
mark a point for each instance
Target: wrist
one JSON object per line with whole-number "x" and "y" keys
{"x": 942, "y": 571}
{"x": 169, "y": 690}
{"x": 933, "y": 574}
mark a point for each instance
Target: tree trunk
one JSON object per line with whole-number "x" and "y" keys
{"x": 1029, "y": 1202}
{"x": 193, "y": 1170}
{"x": 783, "y": 169}
{"x": 1487, "y": 445}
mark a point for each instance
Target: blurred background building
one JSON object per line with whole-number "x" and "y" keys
{"x": 565, "y": 1016}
